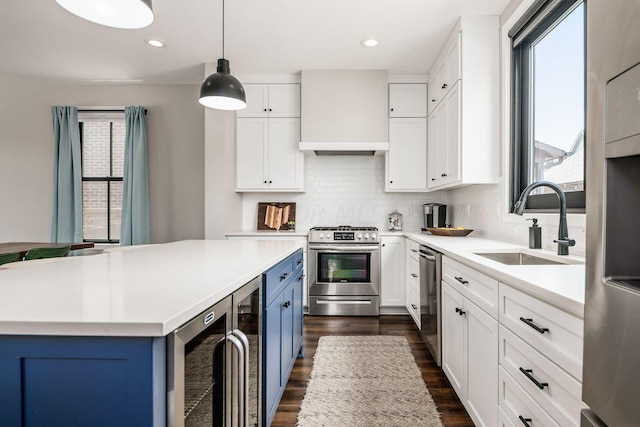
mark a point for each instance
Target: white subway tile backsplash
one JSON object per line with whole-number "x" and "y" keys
{"x": 344, "y": 190}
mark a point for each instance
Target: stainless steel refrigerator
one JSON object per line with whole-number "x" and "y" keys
{"x": 611, "y": 376}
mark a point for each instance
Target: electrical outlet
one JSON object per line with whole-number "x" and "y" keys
{"x": 410, "y": 210}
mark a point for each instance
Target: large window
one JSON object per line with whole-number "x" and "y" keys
{"x": 102, "y": 136}
{"x": 549, "y": 103}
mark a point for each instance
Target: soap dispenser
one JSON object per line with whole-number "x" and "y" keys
{"x": 535, "y": 234}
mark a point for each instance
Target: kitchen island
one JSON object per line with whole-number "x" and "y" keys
{"x": 73, "y": 325}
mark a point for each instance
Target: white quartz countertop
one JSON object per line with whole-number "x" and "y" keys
{"x": 139, "y": 291}
{"x": 560, "y": 285}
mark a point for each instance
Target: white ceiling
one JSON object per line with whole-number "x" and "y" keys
{"x": 41, "y": 42}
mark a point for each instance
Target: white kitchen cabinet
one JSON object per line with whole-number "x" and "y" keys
{"x": 267, "y": 155}
{"x": 412, "y": 280}
{"x": 407, "y": 100}
{"x": 271, "y": 100}
{"x": 406, "y": 160}
{"x": 407, "y": 156}
{"x": 392, "y": 292}
{"x": 470, "y": 355}
{"x": 463, "y": 149}
{"x": 541, "y": 352}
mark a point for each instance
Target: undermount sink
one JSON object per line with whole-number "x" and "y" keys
{"x": 522, "y": 258}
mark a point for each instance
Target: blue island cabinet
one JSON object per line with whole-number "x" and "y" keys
{"x": 282, "y": 329}
{"x": 82, "y": 381}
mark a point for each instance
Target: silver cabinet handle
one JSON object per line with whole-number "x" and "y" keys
{"x": 245, "y": 397}
{"x": 241, "y": 375}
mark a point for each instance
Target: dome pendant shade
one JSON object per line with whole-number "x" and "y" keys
{"x": 125, "y": 14}
{"x": 222, "y": 91}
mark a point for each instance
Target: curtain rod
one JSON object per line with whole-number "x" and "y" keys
{"x": 103, "y": 109}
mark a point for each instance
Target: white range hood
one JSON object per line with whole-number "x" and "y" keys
{"x": 344, "y": 112}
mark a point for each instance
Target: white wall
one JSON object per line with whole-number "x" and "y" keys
{"x": 175, "y": 126}
{"x": 344, "y": 190}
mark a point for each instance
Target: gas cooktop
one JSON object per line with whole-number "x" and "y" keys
{"x": 344, "y": 234}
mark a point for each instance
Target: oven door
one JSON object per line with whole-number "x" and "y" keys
{"x": 344, "y": 270}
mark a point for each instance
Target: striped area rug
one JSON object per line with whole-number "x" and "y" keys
{"x": 366, "y": 381}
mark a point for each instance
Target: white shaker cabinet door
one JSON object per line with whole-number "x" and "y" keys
{"x": 407, "y": 156}
{"x": 251, "y": 143}
{"x": 285, "y": 160}
{"x": 453, "y": 339}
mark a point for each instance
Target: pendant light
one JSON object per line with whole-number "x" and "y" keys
{"x": 125, "y": 14}
{"x": 221, "y": 90}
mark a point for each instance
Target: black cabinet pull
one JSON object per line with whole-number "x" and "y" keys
{"x": 525, "y": 421}
{"x": 444, "y": 86}
{"x": 286, "y": 304}
{"x": 534, "y": 326}
{"x": 527, "y": 373}
{"x": 433, "y": 100}
{"x": 414, "y": 274}
{"x": 284, "y": 276}
{"x": 265, "y": 109}
{"x": 300, "y": 261}
{"x": 392, "y": 109}
{"x": 270, "y": 182}
{"x": 443, "y": 175}
{"x": 460, "y": 311}
{"x": 414, "y": 307}
{"x": 270, "y": 109}
{"x": 461, "y": 280}
{"x": 265, "y": 182}
{"x": 433, "y": 179}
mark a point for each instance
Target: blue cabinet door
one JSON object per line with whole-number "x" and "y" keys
{"x": 81, "y": 381}
{"x": 271, "y": 358}
{"x": 288, "y": 357}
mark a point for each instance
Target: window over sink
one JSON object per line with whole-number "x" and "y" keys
{"x": 548, "y": 103}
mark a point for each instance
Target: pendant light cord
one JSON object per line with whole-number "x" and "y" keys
{"x": 222, "y": 28}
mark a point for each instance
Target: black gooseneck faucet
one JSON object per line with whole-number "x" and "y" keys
{"x": 563, "y": 240}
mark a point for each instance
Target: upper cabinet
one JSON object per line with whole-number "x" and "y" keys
{"x": 271, "y": 100}
{"x": 463, "y": 106}
{"x": 406, "y": 160}
{"x": 407, "y": 100}
{"x": 267, "y": 138}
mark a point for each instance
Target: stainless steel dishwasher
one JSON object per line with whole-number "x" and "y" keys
{"x": 430, "y": 297}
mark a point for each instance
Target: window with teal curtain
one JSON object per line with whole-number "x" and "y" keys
{"x": 66, "y": 210}
{"x": 135, "y": 197}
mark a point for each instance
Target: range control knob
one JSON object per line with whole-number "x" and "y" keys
{"x": 366, "y": 236}
{"x": 328, "y": 236}
{"x": 359, "y": 236}
{"x": 322, "y": 235}
{"x": 373, "y": 235}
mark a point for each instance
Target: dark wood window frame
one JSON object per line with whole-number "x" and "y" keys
{"x": 108, "y": 179}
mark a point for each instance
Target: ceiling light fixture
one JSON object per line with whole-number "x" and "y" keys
{"x": 221, "y": 90}
{"x": 369, "y": 42}
{"x": 155, "y": 43}
{"x": 125, "y": 14}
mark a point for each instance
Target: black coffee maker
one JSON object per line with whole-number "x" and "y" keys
{"x": 435, "y": 215}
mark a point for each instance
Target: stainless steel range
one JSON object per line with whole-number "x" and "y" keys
{"x": 344, "y": 271}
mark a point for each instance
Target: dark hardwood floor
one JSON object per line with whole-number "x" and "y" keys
{"x": 453, "y": 413}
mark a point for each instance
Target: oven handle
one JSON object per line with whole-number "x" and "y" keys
{"x": 345, "y": 248}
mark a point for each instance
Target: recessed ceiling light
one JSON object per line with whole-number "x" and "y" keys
{"x": 155, "y": 43}
{"x": 369, "y": 42}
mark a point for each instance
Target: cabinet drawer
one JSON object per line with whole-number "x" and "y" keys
{"x": 553, "y": 332}
{"x": 481, "y": 289}
{"x": 411, "y": 249}
{"x": 560, "y": 392}
{"x": 278, "y": 276}
{"x": 517, "y": 405}
{"x": 413, "y": 275}
{"x": 413, "y": 305}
